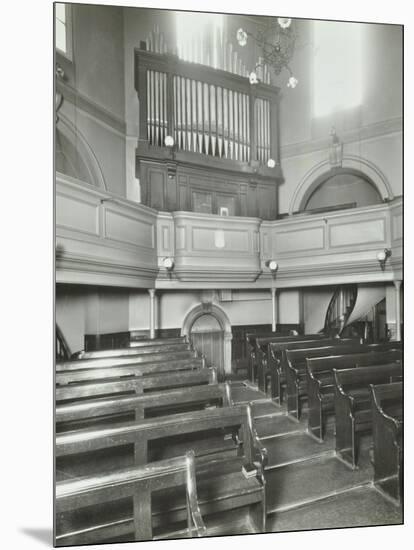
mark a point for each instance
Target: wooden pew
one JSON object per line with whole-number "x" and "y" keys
{"x": 320, "y": 382}
{"x": 112, "y": 385}
{"x": 295, "y": 366}
{"x": 125, "y": 360}
{"x": 143, "y": 369}
{"x": 225, "y": 481}
{"x": 251, "y": 338}
{"x": 89, "y": 412}
{"x": 353, "y": 411}
{"x": 134, "y": 350}
{"x": 77, "y": 495}
{"x": 387, "y": 429}
{"x": 275, "y": 363}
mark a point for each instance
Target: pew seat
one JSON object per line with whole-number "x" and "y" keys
{"x": 227, "y": 480}
{"x": 129, "y": 370}
{"x": 353, "y": 405}
{"x": 387, "y": 428}
{"x": 321, "y": 387}
{"x": 137, "y": 348}
{"x": 112, "y": 384}
{"x": 88, "y": 412}
{"x": 274, "y": 364}
{"x": 295, "y": 364}
{"x": 79, "y": 501}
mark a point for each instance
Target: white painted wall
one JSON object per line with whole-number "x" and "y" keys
{"x": 372, "y": 131}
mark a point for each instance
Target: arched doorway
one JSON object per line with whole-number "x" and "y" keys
{"x": 208, "y": 329}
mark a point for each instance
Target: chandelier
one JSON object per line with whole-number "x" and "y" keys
{"x": 277, "y": 42}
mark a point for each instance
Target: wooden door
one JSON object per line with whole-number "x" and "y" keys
{"x": 207, "y": 338}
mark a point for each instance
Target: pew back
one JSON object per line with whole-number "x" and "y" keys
{"x": 134, "y": 350}
{"x": 90, "y": 409}
{"x": 126, "y": 360}
{"x": 136, "y": 483}
{"x": 134, "y": 385}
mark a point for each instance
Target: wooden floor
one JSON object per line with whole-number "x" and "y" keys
{"x": 307, "y": 487}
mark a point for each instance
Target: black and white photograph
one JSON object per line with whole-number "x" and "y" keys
{"x": 229, "y": 274}
{"x": 219, "y": 281}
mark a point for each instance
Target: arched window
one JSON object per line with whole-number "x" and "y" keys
{"x": 343, "y": 187}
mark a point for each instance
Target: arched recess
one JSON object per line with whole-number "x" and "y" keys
{"x": 313, "y": 178}
{"x": 219, "y": 314}
{"x": 74, "y": 153}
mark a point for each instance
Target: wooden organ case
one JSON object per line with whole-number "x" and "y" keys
{"x": 224, "y": 130}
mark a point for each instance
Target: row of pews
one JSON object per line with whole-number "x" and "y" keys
{"x": 357, "y": 387}
{"x": 149, "y": 445}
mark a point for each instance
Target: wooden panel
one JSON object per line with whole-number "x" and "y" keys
{"x": 180, "y": 237}
{"x": 204, "y": 238}
{"x": 397, "y": 227}
{"x": 116, "y": 248}
{"x": 77, "y": 213}
{"x": 357, "y": 232}
{"x": 120, "y": 227}
{"x": 311, "y": 238}
{"x": 156, "y": 189}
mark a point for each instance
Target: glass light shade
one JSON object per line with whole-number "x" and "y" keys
{"x": 292, "y": 82}
{"x": 169, "y": 141}
{"x": 273, "y": 265}
{"x": 271, "y": 163}
{"x": 253, "y": 78}
{"x": 168, "y": 263}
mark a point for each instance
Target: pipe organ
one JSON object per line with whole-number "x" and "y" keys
{"x": 223, "y": 129}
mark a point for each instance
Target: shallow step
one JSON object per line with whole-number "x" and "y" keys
{"x": 295, "y": 447}
{"x": 297, "y": 483}
{"x": 357, "y": 507}
{"x": 277, "y": 425}
{"x": 244, "y": 394}
{"x": 265, "y": 408}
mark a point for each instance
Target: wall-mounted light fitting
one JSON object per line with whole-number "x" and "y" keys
{"x": 271, "y": 163}
{"x": 382, "y": 257}
{"x": 169, "y": 141}
{"x": 272, "y": 265}
{"x": 168, "y": 263}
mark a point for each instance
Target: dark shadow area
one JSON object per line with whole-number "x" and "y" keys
{"x": 44, "y": 535}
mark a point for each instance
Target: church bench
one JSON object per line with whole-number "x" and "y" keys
{"x": 136, "y": 484}
{"x": 126, "y": 360}
{"x": 98, "y": 410}
{"x": 111, "y": 384}
{"x": 294, "y": 363}
{"x": 274, "y": 363}
{"x": 251, "y": 338}
{"x": 265, "y": 357}
{"x": 320, "y": 382}
{"x": 353, "y": 408}
{"x": 227, "y": 480}
{"x": 387, "y": 429}
{"x": 134, "y": 350}
{"x": 144, "y": 369}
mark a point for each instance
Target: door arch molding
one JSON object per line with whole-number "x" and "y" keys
{"x": 220, "y": 315}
